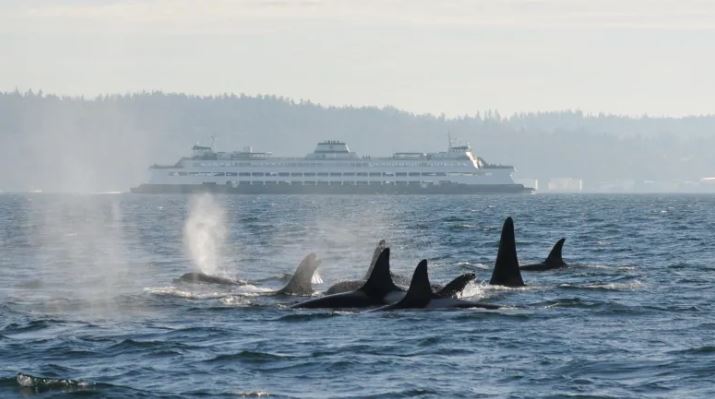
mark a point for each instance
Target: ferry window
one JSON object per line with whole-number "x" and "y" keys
{"x": 283, "y": 174}
{"x": 362, "y": 173}
{"x": 309, "y": 174}
{"x": 414, "y": 173}
{"x": 335, "y": 174}
{"x": 322, "y": 174}
{"x": 220, "y": 174}
{"x": 244, "y": 173}
{"x": 388, "y": 174}
{"x": 231, "y": 174}
{"x": 441, "y": 174}
{"x": 296, "y": 174}
{"x": 349, "y": 174}
{"x": 401, "y": 174}
{"x": 257, "y": 174}
{"x": 182, "y": 173}
{"x": 271, "y": 174}
{"x": 375, "y": 174}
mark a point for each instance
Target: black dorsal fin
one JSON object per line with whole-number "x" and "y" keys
{"x": 379, "y": 283}
{"x": 506, "y": 268}
{"x": 378, "y": 250}
{"x": 300, "y": 283}
{"x": 420, "y": 293}
{"x": 554, "y": 259}
{"x": 455, "y": 286}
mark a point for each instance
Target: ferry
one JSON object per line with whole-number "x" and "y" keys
{"x": 332, "y": 168}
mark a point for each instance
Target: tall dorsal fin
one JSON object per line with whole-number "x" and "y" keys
{"x": 506, "y": 268}
{"x": 379, "y": 283}
{"x": 300, "y": 283}
{"x": 420, "y": 293}
{"x": 554, "y": 258}
{"x": 378, "y": 250}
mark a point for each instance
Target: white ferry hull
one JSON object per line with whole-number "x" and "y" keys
{"x": 286, "y": 188}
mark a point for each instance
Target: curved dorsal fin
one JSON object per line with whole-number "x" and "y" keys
{"x": 378, "y": 250}
{"x": 300, "y": 283}
{"x": 420, "y": 293}
{"x": 379, "y": 283}
{"x": 554, "y": 258}
{"x": 455, "y": 286}
{"x": 506, "y": 268}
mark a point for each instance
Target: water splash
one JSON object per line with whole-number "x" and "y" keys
{"x": 205, "y": 234}
{"x": 41, "y": 384}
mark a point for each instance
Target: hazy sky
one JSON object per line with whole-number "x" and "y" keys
{"x": 456, "y": 57}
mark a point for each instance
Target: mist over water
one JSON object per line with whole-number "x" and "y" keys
{"x": 205, "y": 234}
{"x": 81, "y": 256}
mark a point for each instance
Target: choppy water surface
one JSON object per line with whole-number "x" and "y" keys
{"x": 88, "y": 306}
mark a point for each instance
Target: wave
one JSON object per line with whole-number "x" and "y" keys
{"x": 566, "y": 303}
{"x": 299, "y": 317}
{"x": 247, "y": 357}
{"x": 700, "y": 350}
{"x": 628, "y": 286}
{"x": 185, "y": 294}
{"x": 253, "y": 394}
{"x": 42, "y": 384}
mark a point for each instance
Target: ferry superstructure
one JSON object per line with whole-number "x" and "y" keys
{"x": 332, "y": 169}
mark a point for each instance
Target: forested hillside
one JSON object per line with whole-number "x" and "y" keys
{"x": 106, "y": 143}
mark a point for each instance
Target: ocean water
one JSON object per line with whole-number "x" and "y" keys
{"x": 89, "y": 308}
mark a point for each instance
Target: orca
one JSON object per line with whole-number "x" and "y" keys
{"x": 506, "y": 268}
{"x": 553, "y": 261}
{"x": 299, "y": 283}
{"x": 198, "y": 277}
{"x": 452, "y": 288}
{"x": 352, "y": 285}
{"x": 420, "y": 295}
{"x": 379, "y": 289}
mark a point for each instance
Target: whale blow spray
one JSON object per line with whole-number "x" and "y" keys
{"x": 205, "y": 234}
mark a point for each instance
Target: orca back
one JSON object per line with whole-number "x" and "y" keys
{"x": 455, "y": 286}
{"x": 506, "y": 268}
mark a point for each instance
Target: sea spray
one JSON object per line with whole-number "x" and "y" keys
{"x": 205, "y": 234}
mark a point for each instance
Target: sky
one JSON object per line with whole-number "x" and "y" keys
{"x": 635, "y": 57}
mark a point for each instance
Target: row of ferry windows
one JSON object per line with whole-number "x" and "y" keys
{"x": 319, "y": 164}
{"x": 327, "y": 183}
{"x": 320, "y": 174}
